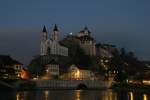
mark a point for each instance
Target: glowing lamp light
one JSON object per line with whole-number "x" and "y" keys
{"x": 147, "y": 82}
{"x": 25, "y": 74}
{"x": 77, "y": 74}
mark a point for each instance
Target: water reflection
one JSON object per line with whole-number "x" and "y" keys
{"x": 7, "y": 95}
{"x": 77, "y": 94}
{"x": 80, "y": 95}
{"x": 130, "y": 96}
{"x": 145, "y": 97}
{"x": 21, "y": 95}
{"x": 18, "y": 96}
{"x": 46, "y": 95}
{"x": 74, "y": 95}
{"x": 109, "y": 95}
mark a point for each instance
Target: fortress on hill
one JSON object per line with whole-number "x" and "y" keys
{"x": 52, "y": 46}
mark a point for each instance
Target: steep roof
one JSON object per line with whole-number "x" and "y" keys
{"x": 7, "y": 60}
{"x": 55, "y": 28}
{"x": 85, "y": 29}
{"x": 44, "y": 29}
{"x": 53, "y": 62}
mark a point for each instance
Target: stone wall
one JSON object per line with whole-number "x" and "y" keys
{"x": 71, "y": 84}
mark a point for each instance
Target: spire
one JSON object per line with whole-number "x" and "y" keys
{"x": 44, "y": 34}
{"x": 55, "y": 28}
{"x": 85, "y": 28}
{"x": 55, "y": 34}
{"x": 44, "y": 29}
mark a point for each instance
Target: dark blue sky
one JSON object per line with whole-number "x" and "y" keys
{"x": 125, "y": 23}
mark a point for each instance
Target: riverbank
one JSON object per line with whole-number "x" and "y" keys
{"x": 131, "y": 87}
{"x": 34, "y": 88}
{"x": 54, "y": 85}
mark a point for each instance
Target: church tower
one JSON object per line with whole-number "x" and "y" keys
{"x": 43, "y": 41}
{"x": 44, "y": 34}
{"x": 55, "y": 34}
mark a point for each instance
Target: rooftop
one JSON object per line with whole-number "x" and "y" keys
{"x": 7, "y": 60}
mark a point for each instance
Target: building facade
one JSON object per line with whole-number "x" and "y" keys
{"x": 75, "y": 73}
{"x": 51, "y": 46}
{"x": 87, "y": 42}
{"x": 51, "y": 71}
{"x": 52, "y": 68}
{"x": 9, "y": 68}
{"x": 105, "y": 50}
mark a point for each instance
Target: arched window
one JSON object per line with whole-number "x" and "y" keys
{"x": 48, "y": 51}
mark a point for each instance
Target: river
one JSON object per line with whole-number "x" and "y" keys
{"x": 73, "y": 95}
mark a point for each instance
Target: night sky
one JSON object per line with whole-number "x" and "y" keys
{"x": 124, "y": 23}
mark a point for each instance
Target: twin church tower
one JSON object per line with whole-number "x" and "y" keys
{"x": 51, "y": 46}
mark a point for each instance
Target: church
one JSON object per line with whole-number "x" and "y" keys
{"x": 51, "y": 46}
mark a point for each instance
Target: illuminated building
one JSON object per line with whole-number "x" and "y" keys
{"x": 74, "y": 73}
{"x": 87, "y": 43}
{"x": 52, "y": 46}
{"x": 51, "y": 71}
{"x": 9, "y": 68}
{"x": 146, "y": 82}
{"x": 52, "y": 68}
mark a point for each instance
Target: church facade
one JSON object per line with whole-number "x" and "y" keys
{"x": 51, "y": 46}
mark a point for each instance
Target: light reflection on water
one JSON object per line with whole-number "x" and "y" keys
{"x": 130, "y": 96}
{"x": 145, "y": 97}
{"x": 46, "y": 94}
{"x": 77, "y": 94}
{"x": 109, "y": 95}
{"x": 74, "y": 95}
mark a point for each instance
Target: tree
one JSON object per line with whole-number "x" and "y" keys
{"x": 35, "y": 66}
{"x": 121, "y": 77}
{"x": 76, "y": 53}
